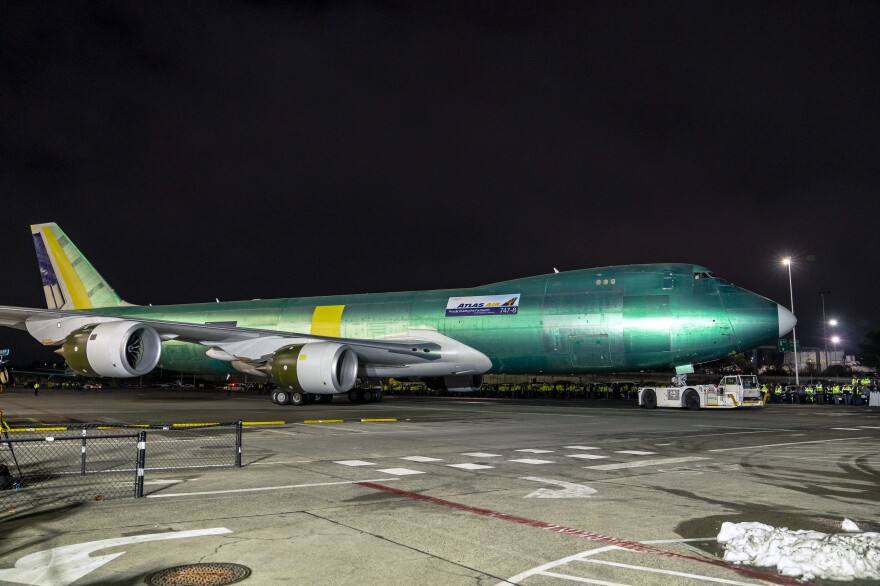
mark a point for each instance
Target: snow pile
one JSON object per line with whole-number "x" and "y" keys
{"x": 804, "y": 554}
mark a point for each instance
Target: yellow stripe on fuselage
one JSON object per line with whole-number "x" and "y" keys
{"x": 75, "y": 286}
{"x": 326, "y": 320}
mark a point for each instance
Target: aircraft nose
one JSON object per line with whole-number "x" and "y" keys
{"x": 787, "y": 320}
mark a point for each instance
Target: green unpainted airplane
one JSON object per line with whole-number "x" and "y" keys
{"x": 610, "y": 319}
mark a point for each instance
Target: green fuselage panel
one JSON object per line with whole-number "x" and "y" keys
{"x": 593, "y": 320}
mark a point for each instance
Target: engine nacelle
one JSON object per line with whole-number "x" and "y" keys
{"x": 458, "y": 383}
{"x": 321, "y": 368}
{"x": 118, "y": 348}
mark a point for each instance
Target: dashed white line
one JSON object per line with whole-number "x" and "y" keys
{"x": 354, "y": 463}
{"x": 400, "y": 471}
{"x": 421, "y": 459}
{"x": 581, "y": 448}
{"x": 470, "y": 466}
{"x": 533, "y": 461}
{"x": 588, "y": 456}
{"x": 482, "y": 455}
{"x": 534, "y": 451}
{"x": 635, "y": 452}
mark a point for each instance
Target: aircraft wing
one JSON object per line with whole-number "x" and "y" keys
{"x": 423, "y": 352}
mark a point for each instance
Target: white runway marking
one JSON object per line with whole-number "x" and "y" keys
{"x": 869, "y": 427}
{"x": 354, "y": 463}
{"x": 580, "y": 448}
{"x": 635, "y": 452}
{"x": 587, "y": 456}
{"x": 532, "y": 461}
{"x": 421, "y": 459}
{"x": 642, "y": 463}
{"x": 60, "y": 566}
{"x": 534, "y": 451}
{"x": 400, "y": 471}
{"x": 482, "y": 455}
{"x": 847, "y": 428}
{"x": 568, "y": 490}
{"x": 265, "y": 488}
{"x": 470, "y": 466}
{"x": 667, "y": 572}
{"x": 848, "y": 439}
{"x": 151, "y": 482}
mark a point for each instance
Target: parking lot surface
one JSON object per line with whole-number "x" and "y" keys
{"x": 451, "y": 491}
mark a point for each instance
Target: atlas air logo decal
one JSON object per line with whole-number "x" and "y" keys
{"x": 483, "y": 305}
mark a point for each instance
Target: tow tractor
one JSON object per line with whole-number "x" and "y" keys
{"x": 733, "y": 391}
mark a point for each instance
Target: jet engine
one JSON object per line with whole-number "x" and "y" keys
{"x": 459, "y": 383}
{"x": 321, "y": 368}
{"x": 118, "y": 348}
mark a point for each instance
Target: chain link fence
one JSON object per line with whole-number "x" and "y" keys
{"x": 77, "y": 463}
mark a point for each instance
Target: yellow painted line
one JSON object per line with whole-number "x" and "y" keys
{"x": 263, "y": 422}
{"x": 323, "y": 421}
{"x": 390, "y": 420}
{"x": 194, "y": 424}
{"x": 37, "y": 429}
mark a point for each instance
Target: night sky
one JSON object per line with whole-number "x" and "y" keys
{"x": 230, "y": 150}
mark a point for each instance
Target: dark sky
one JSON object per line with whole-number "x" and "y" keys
{"x": 242, "y": 150}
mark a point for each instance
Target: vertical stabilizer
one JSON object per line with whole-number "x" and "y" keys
{"x": 69, "y": 279}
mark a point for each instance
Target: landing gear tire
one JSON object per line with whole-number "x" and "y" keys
{"x": 297, "y": 398}
{"x": 353, "y": 396}
{"x": 692, "y": 400}
{"x": 325, "y": 398}
{"x": 377, "y": 395}
{"x": 367, "y": 395}
{"x": 281, "y": 397}
{"x": 649, "y": 399}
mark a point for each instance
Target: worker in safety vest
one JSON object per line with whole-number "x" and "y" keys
{"x": 847, "y": 394}
{"x": 810, "y": 394}
{"x": 835, "y": 394}
{"x": 777, "y": 394}
{"x": 820, "y": 393}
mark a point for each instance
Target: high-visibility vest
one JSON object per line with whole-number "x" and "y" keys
{"x": 835, "y": 390}
{"x": 764, "y": 387}
{"x": 778, "y": 390}
{"x": 847, "y": 389}
{"x": 810, "y": 390}
{"x": 819, "y": 388}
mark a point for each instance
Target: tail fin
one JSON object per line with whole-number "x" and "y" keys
{"x": 69, "y": 279}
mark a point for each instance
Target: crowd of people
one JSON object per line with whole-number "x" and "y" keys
{"x": 856, "y": 392}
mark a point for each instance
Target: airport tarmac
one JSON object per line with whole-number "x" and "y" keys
{"x": 453, "y": 491}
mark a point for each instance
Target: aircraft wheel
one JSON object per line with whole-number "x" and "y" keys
{"x": 281, "y": 398}
{"x": 377, "y": 395}
{"x": 325, "y": 398}
{"x": 368, "y": 395}
{"x": 353, "y": 396}
{"x": 649, "y": 399}
{"x": 692, "y": 400}
{"x": 298, "y": 398}
{"x": 310, "y": 398}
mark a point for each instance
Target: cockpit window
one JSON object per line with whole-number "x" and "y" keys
{"x": 704, "y": 275}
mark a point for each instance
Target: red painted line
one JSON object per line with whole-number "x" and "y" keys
{"x": 588, "y": 535}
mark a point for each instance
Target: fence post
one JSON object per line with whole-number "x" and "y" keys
{"x": 82, "y": 469}
{"x": 238, "y": 444}
{"x": 141, "y": 460}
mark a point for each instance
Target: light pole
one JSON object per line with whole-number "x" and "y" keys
{"x": 822, "y": 294}
{"x": 787, "y": 262}
{"x": 835, "y": 340}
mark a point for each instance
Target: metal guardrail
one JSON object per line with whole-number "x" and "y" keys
{"x": 78, "y": 463}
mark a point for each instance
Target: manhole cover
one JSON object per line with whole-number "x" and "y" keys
{"x": 199, "y": 575}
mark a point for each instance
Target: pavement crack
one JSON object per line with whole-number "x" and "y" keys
{"x": 480, "y": 574}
